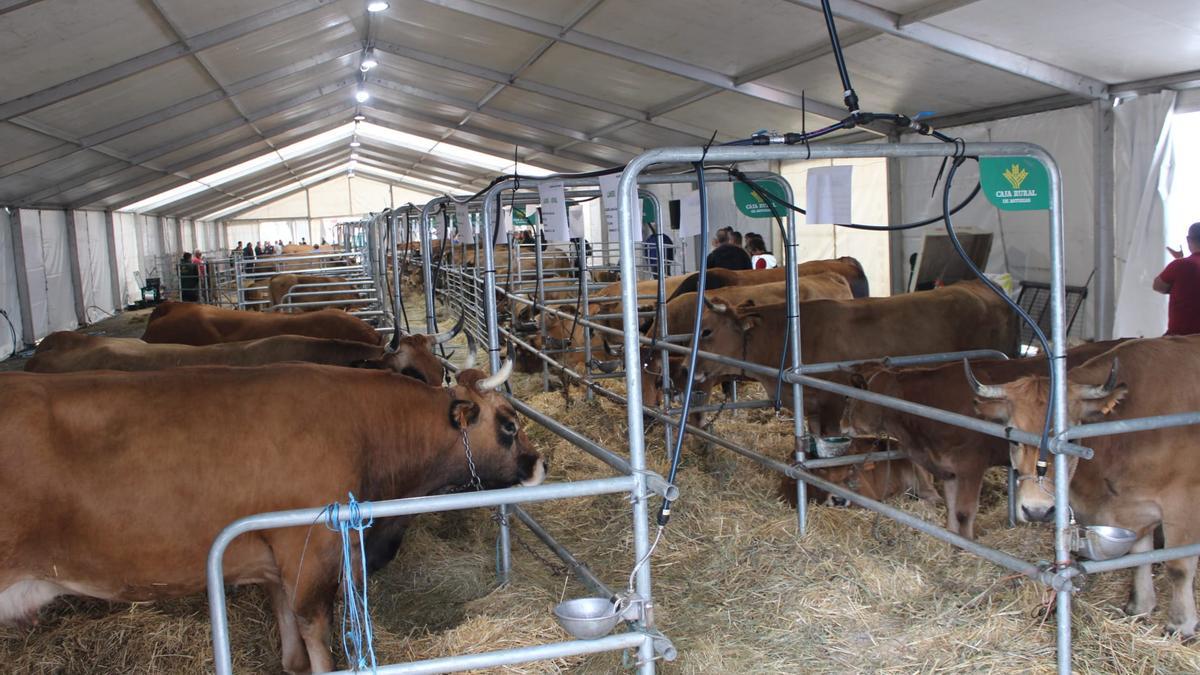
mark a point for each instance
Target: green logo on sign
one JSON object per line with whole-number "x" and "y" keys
{"x": 1015, "y": 183}
{"x": 649, "y": 213}
{"x": 754, "y": 205}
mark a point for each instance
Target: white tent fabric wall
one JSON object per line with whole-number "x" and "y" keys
{"x": 1020, "y": 246}
{"x": 153, "y": 246}
{"x": 45, "y": 250}
{"x": 10, "y": 300}
{"x": 95, "y": 268}
{"x": 869, "y": 204}
{"x": 126, "y": 236}
{"x": 1143, "y": 173}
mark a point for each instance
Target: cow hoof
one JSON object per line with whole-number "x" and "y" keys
{"x": 1134, "y": 610}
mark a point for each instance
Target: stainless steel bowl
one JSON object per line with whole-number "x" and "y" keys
{"x": 832, "y": 446}
{"x": 587, "y": 618}
{"x": 1103, "y": 542}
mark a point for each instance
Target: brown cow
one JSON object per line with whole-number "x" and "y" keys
{"x": 876, "y": 480}
{"x": 956, "y": 456}
{"x": 280, "y": 284}
{"x": 192, "y": 324}
{"x": 1139, "y": 481}
{"x": 67, "y": 351}
{"x": 106, "y": 501}
{"x": 846, "y": 266}
{"x": 963, "y": 316}
{"x": 681, "y": 312}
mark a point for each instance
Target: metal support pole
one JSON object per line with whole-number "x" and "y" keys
{"x": 394, "y": 247}
{"x": 581, "y": 255}
{"x": 539, "y": 264}
{"x": 1104, "y": 236}
{"x": 426, "y": 262}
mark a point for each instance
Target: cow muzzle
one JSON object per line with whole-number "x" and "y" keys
{"x": 538, "y": 475}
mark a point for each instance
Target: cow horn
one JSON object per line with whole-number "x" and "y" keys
{"x": 719, "y": 308}
{"x": 444, "y": 337}
{"x": 469, "y": 363}
{"x": 1095, "y": 392}
{"x": 981, "y": 390}
{"x": 497, "y": 379}
{"x": 525, "y": 327}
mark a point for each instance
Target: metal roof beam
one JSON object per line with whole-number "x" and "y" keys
{"x": 1178, "y": 81}
{"x": 247, "y": 184}
{"x": 635, "y": 55}
{"x": 931, "y": 10}
{"x": 7, "y": 6}
{"x": 137, "y": 64}
{"x": 172, "y": 111}
{"x": 293, "y": 125}
{"x": 484, "y": 133}
{"x": 523, "y": 120}
{"x": 86, "y": 177}
{"x": 962, "y": 46}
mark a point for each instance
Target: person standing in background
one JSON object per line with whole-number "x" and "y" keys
{"x": 727, "y": 255}
{"x": 189, "y": 279}
{"x": 760, "y": 257}
{"x": 1180, "y": 280}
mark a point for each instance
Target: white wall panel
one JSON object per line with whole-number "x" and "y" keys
{"x": 367, "y": 196}
{"x": 56, "y": 270}
{"x": 126, "y": 236}
{"x": 1021, "y": 242}
{"x": 95, "y": 270}
{"x": 10, "y": 301}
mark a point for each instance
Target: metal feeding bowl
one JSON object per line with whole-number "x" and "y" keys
{"x": 1102, "y": 542}
{"x": 832, "y": 446}
{"x": 587, "y": 618}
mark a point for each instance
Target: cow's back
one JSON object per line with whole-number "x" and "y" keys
{"x": 205, "y": 325}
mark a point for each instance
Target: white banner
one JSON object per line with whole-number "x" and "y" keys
{"x": 462, "y": 218}
{"x": 575, "y": 220}
{"x": 506, "y": 216}
{"x": 608, "y": 202}
{"x": 689, "y": 215}
{"x": 554, "y": 211}
{"x": 829, "y": 195}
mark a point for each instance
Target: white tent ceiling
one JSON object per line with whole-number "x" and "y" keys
{"x": 110, "y": 102}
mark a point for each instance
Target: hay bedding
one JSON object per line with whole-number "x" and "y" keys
{"x": 736, "y": 590}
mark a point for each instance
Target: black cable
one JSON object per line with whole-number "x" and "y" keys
{"x": 1043, "y": 448}
{"x": 850, "y": 98}
{"x": 741, "y": 177}
{"x": 664, "y": 513}
{"x": 12, "y": 329}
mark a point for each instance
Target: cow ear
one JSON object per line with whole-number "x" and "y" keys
{"x": 1094, "y": 409}
{"x": 868, "y": 466}
{"x": 858, "y": 381}
{"x": 463, "y": 413}
{"x": 993, "y": 410}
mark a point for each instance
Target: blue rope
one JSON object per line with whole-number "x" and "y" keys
{"x": 356, "y": 611}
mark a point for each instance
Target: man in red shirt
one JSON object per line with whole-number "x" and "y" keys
{"x": 1181, "y": 281}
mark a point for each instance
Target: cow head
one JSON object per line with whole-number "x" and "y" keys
{"x": 860, "y": 418}
{"x": 728, "y": 330}
{"x": 1022, "y": 405}
{"x": 499, "y": 449}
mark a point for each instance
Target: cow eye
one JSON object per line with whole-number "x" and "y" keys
{"x": 509, "y": 427}
{"x": 706, "y": 333}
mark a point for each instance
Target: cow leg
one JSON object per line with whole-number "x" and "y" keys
{"x": 966, "y": 503}
{"x": 950, "y": 493}
{"x": 926, "y": 490}
{"x": 295, "y": 658}
{"x": 1141, "y": 591}
{"x": 1181, "y": 613}
{"x": 314, "y": 629}
{"x": 311, "y": 582}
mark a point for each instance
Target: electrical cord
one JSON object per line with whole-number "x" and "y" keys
{"x": 1043, "y": 448}
{"x": 664, "y": 513}
{"x": 12, "y": 329}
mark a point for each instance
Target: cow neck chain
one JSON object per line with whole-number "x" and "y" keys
{"x": 475, "y": 482}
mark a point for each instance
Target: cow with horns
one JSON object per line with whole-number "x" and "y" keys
{"x": 68, "y": 351}
{"x": 104, "y": 501}
{"x": 1139, "y": 481}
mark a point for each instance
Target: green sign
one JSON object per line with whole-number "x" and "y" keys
{"x": 519, "y": 217}
{"x": 649, "y": 213}
{"x": 754, "y": 205}
{"x": 1015, "y": 183}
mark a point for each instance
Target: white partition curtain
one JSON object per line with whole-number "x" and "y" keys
{"x": 1144, "y": 159}
{"x": 95, "y": 267}
{"x": 11, "y": 334}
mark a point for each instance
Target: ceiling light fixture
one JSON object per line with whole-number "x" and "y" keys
{"x": 360, "y": 118}
{"x": 362, "y": 95}
{"x": 368, "y": 61}
{"x": 376, "y": 6}
{"x": 354, "y": 155}
{"x": 355, "y": 144}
